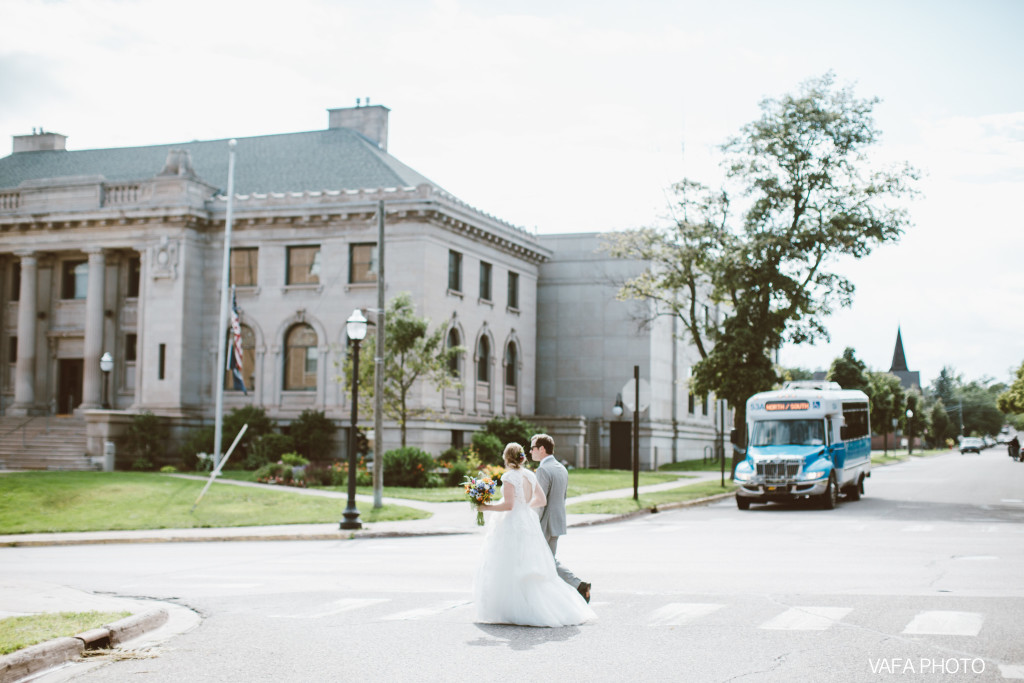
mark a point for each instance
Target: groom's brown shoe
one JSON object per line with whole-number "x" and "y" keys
{"x": 584, "y": 589}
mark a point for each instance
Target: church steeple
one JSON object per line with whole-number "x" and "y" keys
{"x": 899, "y": 360}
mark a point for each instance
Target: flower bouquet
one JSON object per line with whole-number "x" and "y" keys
{"x": 479, "y": 491}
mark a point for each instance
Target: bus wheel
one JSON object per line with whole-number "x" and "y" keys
{"x": 742, "y": 503}
{"x": 829, "y": 498}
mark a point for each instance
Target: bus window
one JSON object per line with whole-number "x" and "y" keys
{"x": 788, "y": 432}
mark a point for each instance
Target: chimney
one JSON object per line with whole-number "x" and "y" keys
{"x": 39, "y": 142}
{"x": 370, "y": 122}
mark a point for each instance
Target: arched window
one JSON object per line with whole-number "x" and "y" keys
{"x": 248, "y": 360}
{"x": 300, "y": 359}
{"x": 511, "y": 359}
{"x": 483, "y": 362}
{"x": 453, "y": 360}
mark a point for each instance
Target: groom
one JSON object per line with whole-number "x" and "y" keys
{"x": 554, "y": 480}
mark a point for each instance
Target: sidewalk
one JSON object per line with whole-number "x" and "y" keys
{"x": 152, "y": 622}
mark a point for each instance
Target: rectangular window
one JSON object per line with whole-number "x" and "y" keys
{"x": 16, "y": 281}
{"x": 455, "y": 271}
{"x": 689, "y": 404}
{"x": 74, "y": 279}
{"x": 134, "y": 270}
{"x": 513, "y": 290}
{"x": 485, "y": 281}
{"x": 12, "y": 350}
{"x": 704, "y": 405}
{"x": 244, "y": 267}
{"x": 161, "y": 361}
{"x": 362, "y": 263}
{"x": 131, "y": 343}
{"x": 303, "y": 265}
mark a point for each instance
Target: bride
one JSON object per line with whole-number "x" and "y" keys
{"x": 516, "y": 581}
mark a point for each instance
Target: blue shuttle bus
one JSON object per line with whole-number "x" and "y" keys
{"x": 809, "y": 440}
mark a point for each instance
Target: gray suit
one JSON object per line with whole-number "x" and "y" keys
{"x": 554, "y": 480}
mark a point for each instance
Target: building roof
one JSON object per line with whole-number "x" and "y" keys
{"x": 332, "y": 159}
{"x": 899, "y": 359}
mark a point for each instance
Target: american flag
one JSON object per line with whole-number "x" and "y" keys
{"x": 235, "y": 352}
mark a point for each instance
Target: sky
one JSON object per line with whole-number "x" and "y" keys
{"x": 578, "y": 116}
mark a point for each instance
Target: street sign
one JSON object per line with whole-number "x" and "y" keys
{"x": 629, "y": 394}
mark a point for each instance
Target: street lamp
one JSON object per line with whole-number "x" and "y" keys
{"x": 106, "y": 365}
{"x": 355, "y": 328}
{"x": 910, "y": 432}
{"x": 617, "y": 409}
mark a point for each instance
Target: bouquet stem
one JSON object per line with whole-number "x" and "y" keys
{"x": 479, "y": 517}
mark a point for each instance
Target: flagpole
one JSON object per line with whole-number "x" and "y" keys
{"x": 378, "y": 371}
{"x": 222, "y": 320}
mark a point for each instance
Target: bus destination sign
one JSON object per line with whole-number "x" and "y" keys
{"x": 786, "y": 405}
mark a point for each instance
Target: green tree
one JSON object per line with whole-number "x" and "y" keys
{"x": 1011, "y": 401}
{"x": 412, "y": 353}
{"x": 981, "y": 413}
{"x": 848, "y": 371}
{"x": 887, "y": 403}
{"x": 741, "y": 287}
{"x": 940, "y": 425}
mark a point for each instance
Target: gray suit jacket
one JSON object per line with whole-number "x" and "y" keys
{"x": 553, "y": 480}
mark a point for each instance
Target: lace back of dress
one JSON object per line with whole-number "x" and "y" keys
{"x": 520, "y": 482}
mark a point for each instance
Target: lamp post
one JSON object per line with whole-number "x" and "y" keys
{"x": 617, "y": 409}
{"x": 106, "y": 365}
{"x": 910, "y": 432}
{"x": 355, "y": 328}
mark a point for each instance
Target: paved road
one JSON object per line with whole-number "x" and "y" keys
{"x": 924, "y": 577}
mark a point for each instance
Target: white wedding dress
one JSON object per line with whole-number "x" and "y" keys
{"x": 516, "y": 581}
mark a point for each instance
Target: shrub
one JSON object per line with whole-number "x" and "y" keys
{"x": 458, "y": 470}
{"x": 144, "y": 440}
{"x": 408, "y": 466}
{"x": 511, "y": 429}
{"x": 313, "y": 435}
{"x": 488, "y": 447}
{"x": 259, "y": 424}
{"x": 168, "y": 469}
{"x": 294, "y": 460}
{"x": 196, "y": 441}
{"x": 268, "y": 448}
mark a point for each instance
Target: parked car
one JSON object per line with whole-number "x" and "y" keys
{"x": 971, "y": 444}
{"x": 988, "y": 441}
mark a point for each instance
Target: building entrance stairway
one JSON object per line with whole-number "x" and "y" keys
{"x": 44, "y": 443}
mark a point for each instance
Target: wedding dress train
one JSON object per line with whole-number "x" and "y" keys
{"x": 516, "y": 581}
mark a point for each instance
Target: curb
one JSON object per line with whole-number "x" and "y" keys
{"x": 59, "y": 651}
{"x": 657, "y": 508}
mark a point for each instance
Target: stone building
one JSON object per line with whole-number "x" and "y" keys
{"x": 150, "y": 220}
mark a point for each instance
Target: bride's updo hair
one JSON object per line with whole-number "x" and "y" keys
{"x": 514, "y": 456}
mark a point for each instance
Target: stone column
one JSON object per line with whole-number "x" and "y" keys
{"x": 25, "y": 370}
{"x": 140, "y": 318}
{"x": 92, "y": 380}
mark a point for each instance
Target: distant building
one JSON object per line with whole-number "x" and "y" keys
{"x": 909, "y": 379}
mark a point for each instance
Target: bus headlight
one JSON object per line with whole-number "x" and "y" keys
{"x": 813, "y": 476}
{"x": 742, "y": 476}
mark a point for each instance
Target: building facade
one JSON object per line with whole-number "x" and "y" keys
{"x": 120, "y": 251}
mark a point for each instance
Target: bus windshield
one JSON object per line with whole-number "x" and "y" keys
{"x": 788, "y": 433}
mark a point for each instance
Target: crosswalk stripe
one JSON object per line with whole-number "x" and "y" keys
{"x": 423, "y": 612}
{"x": 945, "y": 623}
{"x": 678, "y": 613}
{"x": 806, "y": 619}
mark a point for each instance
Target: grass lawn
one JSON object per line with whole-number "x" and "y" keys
{"x": 21, "y": 632}
{"x": 618, "y": 506}
{"x": 33, "y": 502}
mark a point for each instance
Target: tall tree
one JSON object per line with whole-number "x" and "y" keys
{"x": 1011, "y": 401}
{"x": 887, "y": 403}
{"x": 849, "y": 371}
{"x": 412, "y": 353}
{"x": 809, "y": 195}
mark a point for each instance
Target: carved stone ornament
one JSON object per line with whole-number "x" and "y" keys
{"x": 165, "y": 259}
